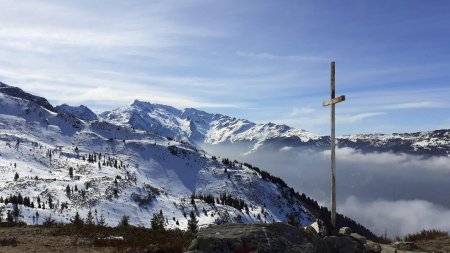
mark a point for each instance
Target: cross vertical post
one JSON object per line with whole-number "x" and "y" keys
{"x": 332, "y": 103}
{"x": 333, "y": 151}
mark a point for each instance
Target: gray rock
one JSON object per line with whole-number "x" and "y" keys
{"x": 359, "y": 237}
{"x": 345, "y": 231}
{"x": 372, "y": 247}
{"x": 261, "y": 238}
{"x": 345, "y": 244}
{"x": 404, "y": 246}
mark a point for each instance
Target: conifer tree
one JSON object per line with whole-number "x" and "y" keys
{"x": 102, "y": 221}
{"x": 76, "y": 220}
{"x": 50, "y": 201}
{"x": 192, "y": 223}
{"x": 125, "y": 221}
{"x": 16, "y": 176}
{"x": 157, "y": 222}
{"x": 9, "y": 217}
{"x": 16, "y": 212}
{"x": 68, "y": 190}
{"x": 89, "y": 218}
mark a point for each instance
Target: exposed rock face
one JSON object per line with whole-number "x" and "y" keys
{"x": 81, "y": 112}
{"x": 19, "y": 93}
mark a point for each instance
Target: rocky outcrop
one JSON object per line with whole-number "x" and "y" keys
{"x": 345, "y": 244}
{"x": 19, "y": 93}
{"x": 275, "y": 237}
{"x": 372, "y": 247}
{"x": 405, "y": 246}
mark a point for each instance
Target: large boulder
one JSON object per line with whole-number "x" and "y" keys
{"x": 345, "y": 244}
{"x": 345, "y": 231}
{"x": 372, "y": 247}
{"x": 405, "y": 246}
{"x": 275, "y": 237}
{"x": 359, "y": 237}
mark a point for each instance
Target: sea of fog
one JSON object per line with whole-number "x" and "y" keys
{"x": 397, "y": 193}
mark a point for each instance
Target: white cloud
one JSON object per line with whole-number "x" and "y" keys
{"x": 308, "y": 118}
{"x": 349, "y": 119}
{"x": 286, "y": 148}
{"x": 383, "y": 185}
{"x": 301, "y": 110}
{"x": 403, "y": 162}
{"x": 269, "y": 56}
{"x": 399, "y": 217}
{"x": 413, "y": 105}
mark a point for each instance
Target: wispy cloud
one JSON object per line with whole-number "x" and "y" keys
{"x": 350, "y": 119}
{"x": 414, "y": 105}
{"x": 316, "y": 120}
{"x": 269, "y": 56}
{"x": 301, "y": 111}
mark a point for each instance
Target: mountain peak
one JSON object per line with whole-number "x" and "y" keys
{"x": 19, "y": 93}
{"x": 138, "y": 103}
{"x": 81, "y": 111}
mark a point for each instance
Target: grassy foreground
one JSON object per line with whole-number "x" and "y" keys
{"x": 68, "y": 238}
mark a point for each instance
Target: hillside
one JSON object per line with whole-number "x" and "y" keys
{"x": 64, "y": 164}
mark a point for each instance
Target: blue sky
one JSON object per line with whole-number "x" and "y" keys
{"x": 259, "y": 60}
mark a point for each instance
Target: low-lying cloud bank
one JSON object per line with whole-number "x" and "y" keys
{"x": 404, "y": 193}
{"x": 398, "y": 217}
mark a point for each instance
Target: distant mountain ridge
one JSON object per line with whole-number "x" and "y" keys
{"x": 203, "y": 128}
{"x": 200, "y": 127}
{"x": 19, "y": 93}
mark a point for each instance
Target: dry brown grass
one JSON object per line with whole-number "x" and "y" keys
{"x": 92, "y": 239}
{"x": 439, "y": 244}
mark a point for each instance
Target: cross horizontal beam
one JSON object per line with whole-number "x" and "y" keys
{"x": 334, "y": 101}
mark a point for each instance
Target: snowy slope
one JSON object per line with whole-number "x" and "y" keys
{"x": 120, "y": 170}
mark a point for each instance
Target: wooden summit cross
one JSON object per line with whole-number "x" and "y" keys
{"x": 334, "y": 100}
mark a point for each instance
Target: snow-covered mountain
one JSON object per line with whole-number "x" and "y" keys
{"x": 81, "y": 112}
{"x": 64, "y": 164}
{"x": 200, "y": 127}
{"x": 429, "y": 143}
{"x": 17, "y": 92}
{"x": 206, "y": 129}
